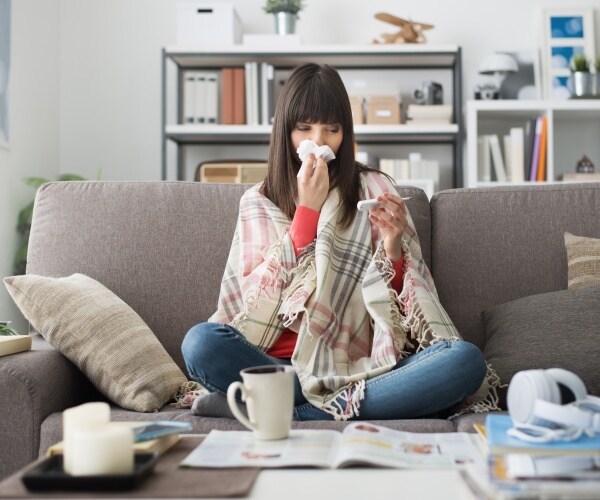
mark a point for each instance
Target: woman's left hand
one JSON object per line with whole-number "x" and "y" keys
{"x": 391, "y": 219}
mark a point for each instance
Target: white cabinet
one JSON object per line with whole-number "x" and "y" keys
{"x": 407, "y": 65}
{"x": 573, "y": 129}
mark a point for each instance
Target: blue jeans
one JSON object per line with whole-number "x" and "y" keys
{"x": 422, "y": 384}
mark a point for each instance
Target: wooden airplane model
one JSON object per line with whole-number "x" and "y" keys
{"x": 410, "y": 31}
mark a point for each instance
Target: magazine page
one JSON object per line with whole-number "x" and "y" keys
{"x": 364, "y": 443}
{"x": 306, "y": 448}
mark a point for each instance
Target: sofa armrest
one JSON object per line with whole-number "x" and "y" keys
{"x": 34, "y": 384}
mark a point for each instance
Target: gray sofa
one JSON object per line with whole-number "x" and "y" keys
{"x": 162, "y": 247}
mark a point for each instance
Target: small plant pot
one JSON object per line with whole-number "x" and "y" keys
{"x": 582, "y": 83}
{"x": 285, "y": 23}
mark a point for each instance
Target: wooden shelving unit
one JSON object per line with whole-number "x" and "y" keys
{"x": 343, "y": 57}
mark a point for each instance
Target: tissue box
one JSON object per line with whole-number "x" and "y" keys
{"x": 202, "y": 23}
{"x": 383, "y": 110}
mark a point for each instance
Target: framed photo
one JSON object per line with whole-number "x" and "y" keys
{"x": 525, "y": 84}
{"x": 566, "y": 32}
{"x": 5, "y": 8}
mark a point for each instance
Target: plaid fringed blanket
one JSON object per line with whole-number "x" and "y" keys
{"x": 336, "y": 295}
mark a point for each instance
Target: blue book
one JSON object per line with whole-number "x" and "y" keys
{"x": 500, "y": 443}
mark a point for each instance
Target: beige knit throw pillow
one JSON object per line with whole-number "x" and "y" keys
{"x": 583, "y": 257}
{"x": 102, "y": 336}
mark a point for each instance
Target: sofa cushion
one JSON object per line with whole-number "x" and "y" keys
{"x": 557, "y": 329}
{"x": 102, "y": 336}
{"x": 492, "y": 245}
{"x": 583, "y": 260}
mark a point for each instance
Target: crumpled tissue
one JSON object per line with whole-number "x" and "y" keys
{"x": 309, "y": 146}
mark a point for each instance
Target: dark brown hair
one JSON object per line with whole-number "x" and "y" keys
{"x": 312, "y": 94}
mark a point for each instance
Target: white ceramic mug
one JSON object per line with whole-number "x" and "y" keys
{"x": 269, "y": 395}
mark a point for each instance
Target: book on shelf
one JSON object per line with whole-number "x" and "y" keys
{"x": 358, "y": 443}
{"x": 12, "y": 344}
{"x": 541, "y": 172}
{"x": 484, "y": 165}
{"x": 528, "y": 145}
{"x": 516, "y": 153}
{"x": 239, "y": 96}
{"x": 535, "y": 155}
{"x": 367, "y": 158}
{"x": 501, "y": 443}
{"x": 497, "y": 160}
{"x": 201, "y": 97}
{"x": 227, "y": 96}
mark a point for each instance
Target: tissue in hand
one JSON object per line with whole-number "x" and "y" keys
{"x": 307, "y": 147}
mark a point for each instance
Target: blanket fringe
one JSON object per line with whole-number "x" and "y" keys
{"x": 345, "y": 404}
{"x": 187, "y": 394}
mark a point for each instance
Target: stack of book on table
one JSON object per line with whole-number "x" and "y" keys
{"x": 520, "y": 469}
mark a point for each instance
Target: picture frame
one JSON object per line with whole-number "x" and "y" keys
{"x": 5, "y": 22}
{"x": 565, "y": 32}
{"x": 526, "y": 83}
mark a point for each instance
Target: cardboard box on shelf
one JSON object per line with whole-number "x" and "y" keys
{"x": 356, "y": 106}
{"x": 207, "y": 24}
{"x": 383, "y": 110}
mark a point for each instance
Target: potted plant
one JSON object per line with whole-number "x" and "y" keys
{"x": 286, "y": 13}
{"x": 582, "y": 79}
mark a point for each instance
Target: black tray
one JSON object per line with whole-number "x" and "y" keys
{"x": 49, "y": 475}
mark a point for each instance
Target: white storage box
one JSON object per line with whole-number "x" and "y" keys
{"x": 205, "y": 23}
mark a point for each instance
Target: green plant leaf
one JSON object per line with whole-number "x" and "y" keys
{"x": 24, "y": 218}
{"x": 70, "y": 177}
{"x": 6, "y": 330}
{"x": 35, "y": 182}
{"x": 20, "y": 260}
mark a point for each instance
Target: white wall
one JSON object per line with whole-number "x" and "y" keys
{"x": 110, "y": 62}
{"x": 86, "y": 77}
{"x": 33, "y": 124}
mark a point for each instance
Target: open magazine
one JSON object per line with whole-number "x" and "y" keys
{"x": 358, "y": 444}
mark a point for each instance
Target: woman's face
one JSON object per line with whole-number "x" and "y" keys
{"x": 328, "y": 134}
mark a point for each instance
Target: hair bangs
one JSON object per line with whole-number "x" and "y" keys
{"x": 317, "y": 102}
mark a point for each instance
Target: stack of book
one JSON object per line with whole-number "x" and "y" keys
{"x": 429, "y": 114}
{"x": 520, "y": 469}
{"x": 11, "y": 344}
{"x": 524, "y": 157}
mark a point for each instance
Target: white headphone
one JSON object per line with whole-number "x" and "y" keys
{"x": 551, "y": 405}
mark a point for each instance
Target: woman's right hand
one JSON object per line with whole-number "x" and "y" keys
{"x": 313, "y": 183}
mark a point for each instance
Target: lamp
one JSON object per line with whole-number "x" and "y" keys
{"x": 497, "y": 65}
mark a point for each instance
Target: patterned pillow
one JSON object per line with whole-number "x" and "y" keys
{"x": 583, "y": 256}
{"x": 102, "y": 336}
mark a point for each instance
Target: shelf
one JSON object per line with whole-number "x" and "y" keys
{"x": 341, "y": 56}
{"x": 259, "y": 134}
{"x": 203, "y": 139}
{"x": 580, "y": 108}
{"x": 573, "y": 128}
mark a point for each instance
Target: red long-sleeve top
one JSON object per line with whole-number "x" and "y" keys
{"x": 302, "y": 232}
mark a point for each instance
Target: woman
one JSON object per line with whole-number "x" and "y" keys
{"x": 342, "y": 295}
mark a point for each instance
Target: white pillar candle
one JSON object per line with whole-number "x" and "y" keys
{"x": 77, "y": 417}
{"x": 101, "y": 450}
